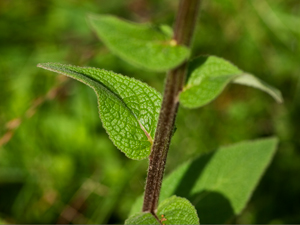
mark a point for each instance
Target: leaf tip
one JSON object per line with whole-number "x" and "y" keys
{"x": 46, "y": 66}
{"x": 39, "y": 65}
{"x": 280, "y": 99}
{"x": 275, "y": 139}
{"x": 43, "y": 65}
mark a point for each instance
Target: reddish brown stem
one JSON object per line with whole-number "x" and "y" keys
{"x": 183, "y": 33}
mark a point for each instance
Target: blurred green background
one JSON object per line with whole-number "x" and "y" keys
{"x": 57, "y": 164}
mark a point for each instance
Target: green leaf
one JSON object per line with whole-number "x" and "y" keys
{"x": 128, "y": 108}
{"x": 173, "y": 210}
{"x": 142, "y": 218}
{"x": 220, "y": 184}
{"x": 177, "y": 210}
{"x": 143, "y": 45}
{"x": 208, "y": 76}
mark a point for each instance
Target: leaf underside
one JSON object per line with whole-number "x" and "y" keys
{"x": 173, "y": 210}
{"x": 220, "y": 184}
{"x": 208, "y": 76}
{"x": 143, "y": 45}
{"x": 128, "y": 108}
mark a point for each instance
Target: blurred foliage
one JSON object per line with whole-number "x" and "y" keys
{"x": 57, "y": 164}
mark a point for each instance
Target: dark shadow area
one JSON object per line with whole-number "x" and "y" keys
{"x": 194, "y": 64}
{"x": 8, "y": 194}
{"x": 212, "y": 207}
{"x": 192, "y": 174}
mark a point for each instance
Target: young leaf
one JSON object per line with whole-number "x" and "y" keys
{"x": 176, "y": 210}
{"x": 142, "y": 218}
{"x": 220, "y": 184}
{"x": 143, "y": 45}
{"x": 173, "y": 210}
{"x": 128, "y": 108}
{"x": 208, "y": 76}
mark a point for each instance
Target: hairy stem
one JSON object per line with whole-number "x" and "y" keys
{"x": 183, "y": 33}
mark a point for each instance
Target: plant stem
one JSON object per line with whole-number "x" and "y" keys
{"x": 183, "y": 32}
